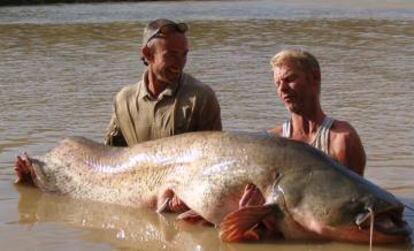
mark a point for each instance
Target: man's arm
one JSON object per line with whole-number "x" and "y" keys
{"x": 114, "y": 135}
{"x": 347, "y": 148}
{"x": 276, "y": 131}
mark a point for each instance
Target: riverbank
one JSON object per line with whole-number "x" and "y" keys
{"x": 40, "y": 2}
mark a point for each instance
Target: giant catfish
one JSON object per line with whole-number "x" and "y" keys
{"x": 306, "y": 194}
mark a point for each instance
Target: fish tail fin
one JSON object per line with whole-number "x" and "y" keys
{"x": 24, "y": 169}
{"x": 239, "y": 225}
{"x": 30, "y": 171}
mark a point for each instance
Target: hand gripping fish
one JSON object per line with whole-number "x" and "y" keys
{"x": 248, "y": 185}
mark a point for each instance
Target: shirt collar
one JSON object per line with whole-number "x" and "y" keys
{"x": 169, "y": 91}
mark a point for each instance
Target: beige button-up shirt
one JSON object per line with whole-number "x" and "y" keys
{"x": 186, "y": 106}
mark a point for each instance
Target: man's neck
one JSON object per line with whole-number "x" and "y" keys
{"x": 155, "y": 86}
{"x": 307, "y": 124}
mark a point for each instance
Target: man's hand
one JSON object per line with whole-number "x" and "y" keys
{"x": 23, "y": 168}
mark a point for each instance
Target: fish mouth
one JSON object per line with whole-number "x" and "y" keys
{"x": 388, "y": 225}
{"x": 385, "y": 227}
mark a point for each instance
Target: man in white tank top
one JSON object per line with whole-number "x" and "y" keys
{"x": 297, "y": 78}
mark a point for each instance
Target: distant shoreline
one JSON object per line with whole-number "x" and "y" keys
{"x": 40, "y": 2}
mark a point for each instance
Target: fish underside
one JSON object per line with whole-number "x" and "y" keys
{"x": 307, "y": 195}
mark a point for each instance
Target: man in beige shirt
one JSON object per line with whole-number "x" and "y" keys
{"x": 166, "y": 101}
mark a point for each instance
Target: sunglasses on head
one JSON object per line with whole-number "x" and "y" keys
{"x": 168, "y": 28}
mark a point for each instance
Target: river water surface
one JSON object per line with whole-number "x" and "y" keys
{"x": 60, "y": 66}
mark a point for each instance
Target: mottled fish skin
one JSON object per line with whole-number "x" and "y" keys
{"x": 137, "y": 176}
{"x": 208, "y": 171}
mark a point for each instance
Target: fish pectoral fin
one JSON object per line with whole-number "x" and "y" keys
{"x": 240, "y": 225}
{"x": 192, "y": 217}
{"x": 163, "y": 206}
{"x": 169, "y": 202}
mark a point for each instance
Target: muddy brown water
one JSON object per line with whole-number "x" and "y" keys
{"x": 60, "y": 65}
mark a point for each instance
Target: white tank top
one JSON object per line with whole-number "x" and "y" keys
{"x": 321, "y": 140}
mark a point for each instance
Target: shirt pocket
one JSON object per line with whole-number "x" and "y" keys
{"x": 182, "y": 119}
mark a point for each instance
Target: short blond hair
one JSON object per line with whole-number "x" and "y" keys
{"x": 302, "y": 59}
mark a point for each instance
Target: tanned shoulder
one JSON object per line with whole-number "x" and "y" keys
{"x": 346, "y": 146}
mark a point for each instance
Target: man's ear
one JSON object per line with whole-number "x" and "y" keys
{"x": 316, "y": 74}
{"x": 146, "y": 53}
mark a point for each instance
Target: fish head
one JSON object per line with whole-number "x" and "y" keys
{"x": 328, "y": 201}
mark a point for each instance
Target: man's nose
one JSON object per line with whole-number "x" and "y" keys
{"x": 283, "y": 86}
{"x": 180, "y": 61}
